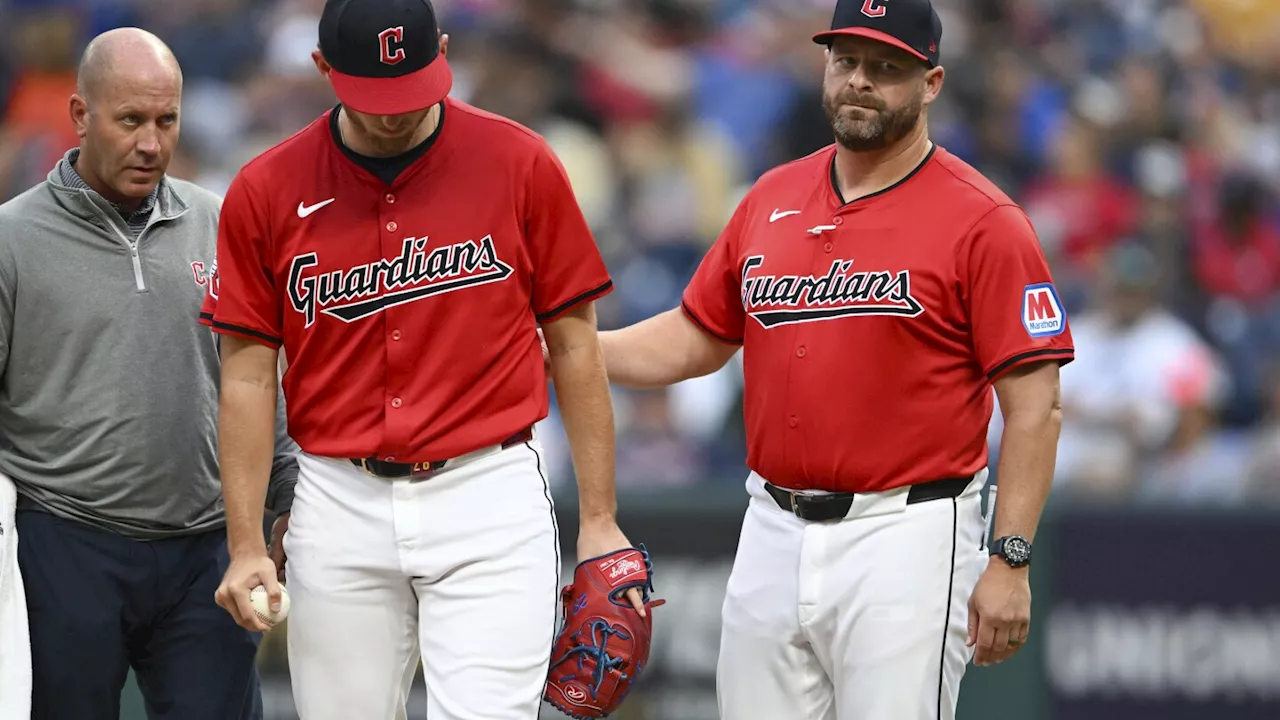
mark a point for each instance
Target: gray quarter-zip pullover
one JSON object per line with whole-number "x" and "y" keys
{"x": 109, "y": 392}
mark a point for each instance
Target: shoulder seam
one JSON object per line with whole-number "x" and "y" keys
{"x": 995, "y": 202}
{"x": 499, "y": 120}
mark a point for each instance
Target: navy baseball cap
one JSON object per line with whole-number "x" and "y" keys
{"x": 912, "y": 25}
{"x": 385, "y": 55}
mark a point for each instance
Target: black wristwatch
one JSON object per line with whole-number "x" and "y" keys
{"x": 1013, "y": 549}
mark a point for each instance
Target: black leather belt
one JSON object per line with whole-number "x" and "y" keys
{"x": 835, "y": 506}
{"x": 422, "y": 470}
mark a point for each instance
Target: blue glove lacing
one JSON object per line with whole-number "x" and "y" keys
{"x": 600, "y": 632}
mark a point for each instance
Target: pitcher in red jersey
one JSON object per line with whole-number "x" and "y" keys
{"x": 401, "y": 252}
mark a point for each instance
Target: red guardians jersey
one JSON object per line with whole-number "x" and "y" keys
{"x": 872, "y": 331}
{"x": 407, "y": 313}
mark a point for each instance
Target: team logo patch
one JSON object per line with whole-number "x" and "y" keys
{"x": 206, "y": 277}
{"x": 391, "y": 45}
{"x": 775, "y": 300}
{"x": 1042, "y": 313}
{"x": 415, "y": 274}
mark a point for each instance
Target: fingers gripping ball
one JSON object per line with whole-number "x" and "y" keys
{"x": 262, "y": 605}
{"x": 604, "y": 644}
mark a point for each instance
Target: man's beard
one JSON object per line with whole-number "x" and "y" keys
{"x": 881, "y": 129}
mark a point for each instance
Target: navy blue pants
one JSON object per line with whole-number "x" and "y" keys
{"x": 100, "y": 603}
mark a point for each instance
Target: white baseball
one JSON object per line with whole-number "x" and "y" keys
{"x": 262, "y": 605}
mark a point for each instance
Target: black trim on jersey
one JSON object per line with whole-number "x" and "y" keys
{"x": 835, "y": 182}
{"x": 703, "y": 326}
{"x": 206, "y": 317}
{"x": 227, "y": 327}
{"x": 946, "y": 618}
{"x": 1067, "y": 354}
{"x": 386, "y": 169}
{"x": 584, "y": 297}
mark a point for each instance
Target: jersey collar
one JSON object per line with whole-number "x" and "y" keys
{"x": 833, "y": 182}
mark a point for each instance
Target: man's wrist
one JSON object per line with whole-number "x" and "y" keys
{"x": 598, "y": 519}
{"x": 1012, "y": 550}
{"x": 248, "y": 550}
{"x": 245, "y": 542}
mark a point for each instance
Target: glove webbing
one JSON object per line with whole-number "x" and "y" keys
{"x": 600, "y": 633}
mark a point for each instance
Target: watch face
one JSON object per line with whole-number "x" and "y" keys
{"x": 1017, "y": 550}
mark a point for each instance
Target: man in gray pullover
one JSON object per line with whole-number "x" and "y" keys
{"x": 108, "y": 412}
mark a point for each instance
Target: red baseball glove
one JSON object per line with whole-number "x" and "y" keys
{"x": 604, "y": 643}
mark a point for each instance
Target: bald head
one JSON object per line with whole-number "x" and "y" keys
{"x": 126, "y": 112}
{"x": 123, "y": 55}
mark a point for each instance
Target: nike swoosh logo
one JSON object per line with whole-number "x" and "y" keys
{"x": 778, "y": 214}
{"x": 304, "y": 211}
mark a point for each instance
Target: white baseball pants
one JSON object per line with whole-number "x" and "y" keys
{"x": 462, "y": 570}
{"x": 15, "y": 641}
{"x": 860, "y": 619}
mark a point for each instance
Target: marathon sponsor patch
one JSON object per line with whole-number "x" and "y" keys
{"x": 1042, "y": 313}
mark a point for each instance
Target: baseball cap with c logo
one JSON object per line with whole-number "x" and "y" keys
{"x": 912, "y": 25}
{"x": 385, "y": 55}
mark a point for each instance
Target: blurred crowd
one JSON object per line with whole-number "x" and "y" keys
{"x": 1142, "y": 137}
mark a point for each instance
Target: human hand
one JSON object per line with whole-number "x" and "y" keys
{"x": 601, "y": 538}
{"x": 276, "y": 549}
{"x": 245, "y": 573}
{"x": 999, "y": 613}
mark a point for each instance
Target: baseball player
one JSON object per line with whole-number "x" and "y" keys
{"x": 108, "y": 410}
{"x": 878, "y": 289}
{"x": 401, "y": 252}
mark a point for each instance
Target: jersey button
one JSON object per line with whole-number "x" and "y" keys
{"x": 828, "y": 247}
{"x": 391, "y": 226}
{"x": 395, "y": 402}
{"x": 390, "y": 458}
{"x": 395, "y": 334}
{"x": 390, "y": 198}
{"x": 800, "y": 352}
{"x": 793, "y": 421}
{"x": 838, "y": 221}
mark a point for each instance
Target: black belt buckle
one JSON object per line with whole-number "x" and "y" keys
{"x": 417, "y": 472}
{"x": 813, "y": 508}
{"x": 835, "y": 506}
{"x": 394, "y": 470}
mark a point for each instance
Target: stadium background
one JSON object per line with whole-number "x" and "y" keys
{"x": 1142, "y": 136}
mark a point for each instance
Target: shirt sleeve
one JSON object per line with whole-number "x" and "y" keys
{"x": 568, "y": 269}
{"x": 242, "y": 298}
{"x": 1014, "y": 311}
{"x": 713, "y": 298}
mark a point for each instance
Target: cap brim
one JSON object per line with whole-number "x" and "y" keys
{"x": 825, "y": 38}
{"x": 394, "y": 96}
